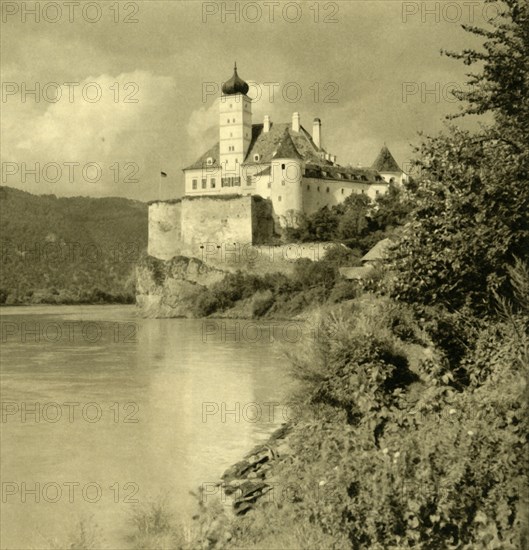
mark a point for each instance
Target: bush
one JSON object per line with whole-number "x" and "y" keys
{"x": 410, "y": 460}
{"x": 262, "y": 303}
{"x": 344, "y": 290}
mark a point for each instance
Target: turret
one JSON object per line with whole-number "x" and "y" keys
{"x": 235, "y": 131}
{"x": 287, "y": 175}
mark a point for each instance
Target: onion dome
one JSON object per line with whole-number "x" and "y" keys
{"x": 235, "y": 85}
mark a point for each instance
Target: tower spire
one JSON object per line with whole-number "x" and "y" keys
{"x": 235, "y": 85}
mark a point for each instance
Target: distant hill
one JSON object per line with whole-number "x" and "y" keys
{"x": 69, "y": 250}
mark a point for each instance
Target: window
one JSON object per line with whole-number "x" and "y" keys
{"x": 308, "y": 187}
{"x": 228, "y": 121}
{"x": 194, "y": 184}
{"x": 282, "y": 167}
{"x": 249, "y": 180}
{"x": 269, "y": 184}
{"x": 378, "y": 192}
{"x": 342, "y": 191}
{"x": 209, "y": 161}
{"x": 318, "y": 187}
{"x": 328, "y": 189}
{"x": 231, "y": 134}
{"x": 213, "y": 183}
{"x": 282, "y": 182}
{"x": 256, "y": 158}
{"x": 233, "y": 120}
{"x": 231, "y": 106}
{"x": 363, "y": 192}
{"x": 279, "y": 198}
{"x": 203, "y": 183}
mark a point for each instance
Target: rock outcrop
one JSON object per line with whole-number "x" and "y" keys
{"x": 252, "y": 478}
{"x": 170, "y": 288}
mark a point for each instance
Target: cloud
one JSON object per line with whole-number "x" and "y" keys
{"x": 105, "y": 119}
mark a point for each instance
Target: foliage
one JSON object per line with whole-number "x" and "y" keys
{"x": 69, "y": 250}
{"x": 358, "y": 222}
{"x": 388, "y": 452}
{"x": 471, "y": 201}
{"x": 310, "y": 284}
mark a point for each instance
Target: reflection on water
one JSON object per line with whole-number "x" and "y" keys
{"x": 101, "y": 408}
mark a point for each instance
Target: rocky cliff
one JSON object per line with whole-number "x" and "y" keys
{"x": 170, "y": 288}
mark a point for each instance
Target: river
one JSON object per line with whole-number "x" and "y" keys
{"x": 103, "y": 411}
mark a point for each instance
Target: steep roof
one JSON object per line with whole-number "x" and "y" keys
{"x": 282, "y": 140}
{"x": 385, "y": 162}
{"x": 265, "y": 144}
{"x": 286, "y": 148}
{"x": 201, "y": 162}
{"x": 378, "y": 252}
{"x": 352, "y": 273}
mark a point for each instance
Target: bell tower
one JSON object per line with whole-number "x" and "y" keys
{"x": 235, "y": 129}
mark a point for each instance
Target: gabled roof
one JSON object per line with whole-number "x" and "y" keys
{"x": 379, "y": 252}
{"x": 213, "y": 153}
{"x": 265, "y": 144}
{"x": 356, "y": 273}
{"x": 282, "y": 142}
{"x": 286, "y": 148}
{"x": 385, "y": 162}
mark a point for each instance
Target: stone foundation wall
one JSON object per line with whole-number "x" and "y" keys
{"x": 183, "y": 227}
{"x": 165, "y": 234}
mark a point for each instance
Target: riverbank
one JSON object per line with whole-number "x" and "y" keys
{"x": 189, "y": 288}
{"x": 403, "y": 438}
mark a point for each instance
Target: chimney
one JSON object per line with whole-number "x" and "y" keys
{"x": 316, "y": 132}
{"x": 295, "y": 122}
{"x": 266, "y": 125}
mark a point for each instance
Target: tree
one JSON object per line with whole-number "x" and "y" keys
{"x": 353, "y": 221}
{"x": 471, "y": 202}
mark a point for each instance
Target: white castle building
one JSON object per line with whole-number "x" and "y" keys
{"x": 282, "y": 162}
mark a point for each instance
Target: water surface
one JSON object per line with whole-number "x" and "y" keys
{"x": 136, "y": 425}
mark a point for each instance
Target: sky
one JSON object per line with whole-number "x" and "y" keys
{"x": 125, "y": 90}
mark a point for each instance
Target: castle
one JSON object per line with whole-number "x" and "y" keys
{"x": 268, "y": 175}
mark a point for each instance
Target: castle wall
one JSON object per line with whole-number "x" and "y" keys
{"x": 286, "y": 192}
{"x": 216, "y": 219}
{"x": 262, "y": 259}
{"x": 316, "y": 196}
{"x": 165, "y": 229}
